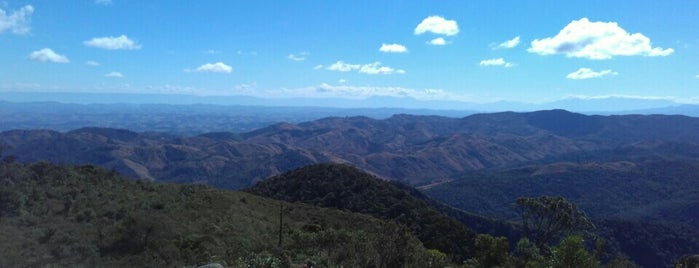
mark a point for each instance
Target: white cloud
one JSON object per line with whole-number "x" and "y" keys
{"x": 218, "y": 67}
{"x": 438, "y": 42}
{"x": 437, "y": 25}
{"x": 587, "y": 73}
{"x": 597, "y": 41}
{"x": 496, "y": 62}
{"x": 370, "y": 68}
{"x": 697, "y": 76}
{"x": 103, "y": 2}
{"x": 18, "y": 21}
{"x": 341, "y": 66}
{"x": 113, "y": 43}
{"x": 376, "y": 68}
{"x": 318, "y": 67}
{"x": 342, "y": 81}
{"x": 114, "y": 74}
{"x": 393, "y": 48}
{"x": 509, "y": 43}
{"x": 92, "y": 63}
{"x": 212, "y": 51}
{"x": 48, "y": 55}
{"x": 298, "y": 57}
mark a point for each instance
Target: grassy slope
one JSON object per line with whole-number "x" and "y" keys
{"x": 85, "y": 215}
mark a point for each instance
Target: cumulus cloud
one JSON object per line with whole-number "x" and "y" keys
{"x": 393, "y": 48}
{"x": 218, "y": 67}
{"x": 496, "y": 62}
{"x": 18, "y": 21}
{"x": 48, "y": 55}
{"x": 298, "y": 57}
{"x": 437, "y": 25}
{"x": 437, "y": 42}
{"x": 597, "y": 41}
{"x": 92, "y": 63}
{"x": 509, "y": 43}
{"x": 113, "y": 43}
{"x": 587, "y": 73}
{"x": 370, "y": 68}
{"x": 114, "y": 74}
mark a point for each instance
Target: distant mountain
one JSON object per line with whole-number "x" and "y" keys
{"x": 68, "y": 216}
{"x": 182, "y": 119}
{"x": 418, "y": 150}
{"x": 347, "y": 188}
{"x": 603, "y": 105}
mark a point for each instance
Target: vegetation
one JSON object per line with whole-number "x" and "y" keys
{"x": 62, "y": 216}
{"x": 546, "y": 218}
{"x": 347, "y": 188}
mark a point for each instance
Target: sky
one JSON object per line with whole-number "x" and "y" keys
{"x": 470, "y": 51}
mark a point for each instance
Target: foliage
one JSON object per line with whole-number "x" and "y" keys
{"x": 571, "y": 253}
{"x": 345, "y": 187}
{"x": 68, "y": 216}
{"x": 645, "y": 210}
{"x": 492, "y": 251}
{"x": 546, "y": 218}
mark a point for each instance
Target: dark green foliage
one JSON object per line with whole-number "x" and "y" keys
{"x": 571, "y": 252}
{"x": 492, "y": 251}
{"x": 347, "y": 188}
{"x": 547, "y": 218}
{"x": 72, "y": 216}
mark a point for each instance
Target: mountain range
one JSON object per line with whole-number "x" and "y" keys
{"x": 418, "y": 150}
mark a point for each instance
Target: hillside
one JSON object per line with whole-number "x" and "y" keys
{"x": 83, "y": 215}
{"x": 417, "y": 150}
{"x": 648, "y": 209}
{"x": 347, "y": 188}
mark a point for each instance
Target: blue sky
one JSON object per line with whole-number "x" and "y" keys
{"x": 472, "y": 51}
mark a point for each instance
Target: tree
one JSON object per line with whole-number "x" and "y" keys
{"x": 571, "y": 253}
{"x": 490, "y": 252}
{"x": 546, "y": 218}
{"x": 527, "y": 255}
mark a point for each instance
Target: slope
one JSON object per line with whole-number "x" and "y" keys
{"x": 83, "y": 215}
{"x": 347, "y": 188}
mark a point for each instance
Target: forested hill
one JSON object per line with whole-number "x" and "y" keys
{"x": 68, "y": 216}
{"x": 647, "y": 208}
{"x": 417, "y": 150}
{"x": 347, "y": 188}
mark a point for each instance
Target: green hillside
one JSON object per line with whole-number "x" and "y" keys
{"x": 347, "y": 188}
{"x": 68, "y": 216}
